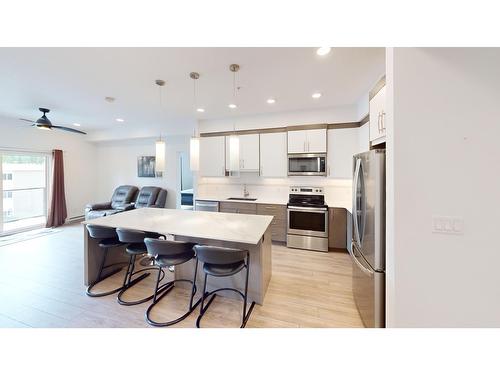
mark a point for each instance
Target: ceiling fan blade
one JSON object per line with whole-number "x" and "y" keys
{"x": 68, "y": 129}
{"x": 25, "y": 119}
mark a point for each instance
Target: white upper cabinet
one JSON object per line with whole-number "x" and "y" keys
{"x": 377, "y": 117}
{"x": 307, "y": 141}
{"x": 343, "y": 144}
{"x": 212, "y": 156}
{"x": 249, "y": 152}
{"x": 316, "y": 141}
{"x": 273, "y": 155}
{"x": 297, "y": 141}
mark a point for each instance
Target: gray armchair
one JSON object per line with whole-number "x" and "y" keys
{"x": 149, "y": 196}
{"x": 120, "y": 201}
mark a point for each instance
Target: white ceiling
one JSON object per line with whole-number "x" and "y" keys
{"x": 73, "y": 82}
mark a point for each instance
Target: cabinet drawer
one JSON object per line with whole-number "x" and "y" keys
{"x": 238, "y": 208}
{"x": 276, "y": 210}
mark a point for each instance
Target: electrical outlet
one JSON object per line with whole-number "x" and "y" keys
{"x": 448, "y": 224}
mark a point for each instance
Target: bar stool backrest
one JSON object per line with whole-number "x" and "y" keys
{"x": 131, "y": 235}
{"x": 219, "y": 255}
{"x": 164, "y": 247}
{"x": 101, "y": 233}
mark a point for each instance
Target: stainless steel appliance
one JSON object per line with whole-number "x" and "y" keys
{"x": 307, "y": 164}
{"x": 368, "y": 236}
{"x": 202, "y": 205}
{"x": 307, "y": 219}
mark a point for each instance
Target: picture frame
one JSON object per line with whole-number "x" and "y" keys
{"x": 146, "y": 166}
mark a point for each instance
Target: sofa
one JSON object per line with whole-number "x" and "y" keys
{"x": 122, "y": 197}
{"x": 127, "y": 197}
{"x": 149, "y": 196}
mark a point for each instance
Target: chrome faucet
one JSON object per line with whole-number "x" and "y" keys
{"x": 245, "y": 191}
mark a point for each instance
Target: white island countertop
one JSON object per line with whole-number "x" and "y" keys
{"x": 241, "y": 228}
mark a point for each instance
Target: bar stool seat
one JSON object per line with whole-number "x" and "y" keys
{"x": 136, "y": 249}
{"x": 173, "y": 260}
{"x": 221, "y": 270}
{"x": 110, "y": 242}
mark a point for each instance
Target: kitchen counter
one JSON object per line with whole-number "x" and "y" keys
{"x": 249, "y": 232}
{"x": 337, "y": 203}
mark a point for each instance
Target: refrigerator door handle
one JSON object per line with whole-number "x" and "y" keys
{"x": 354, "y": 202}
{"x": 358, "y": 263}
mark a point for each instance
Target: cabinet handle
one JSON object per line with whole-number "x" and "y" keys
{"x": 304, "y": 147}
{"x": 328, "y": 171}
{"x": 378, "y": 122}
{"x": 382, "y": 121}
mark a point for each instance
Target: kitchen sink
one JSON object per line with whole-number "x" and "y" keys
{"x": 241, "y": 199}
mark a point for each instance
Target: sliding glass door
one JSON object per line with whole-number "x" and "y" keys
{"x": 24, "y": 187}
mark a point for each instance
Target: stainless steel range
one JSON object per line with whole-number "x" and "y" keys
{"x": 307, "y": 219}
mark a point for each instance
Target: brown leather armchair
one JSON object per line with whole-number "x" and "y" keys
{"x": 149, "y": 196}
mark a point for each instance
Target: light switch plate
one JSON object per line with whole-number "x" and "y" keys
{"x": 448, "y": 224}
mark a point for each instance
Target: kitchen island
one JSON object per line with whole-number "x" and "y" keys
{"x": 240, "y": 231}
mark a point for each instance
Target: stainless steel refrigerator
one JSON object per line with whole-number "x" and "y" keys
{"x": 368, "y": 236}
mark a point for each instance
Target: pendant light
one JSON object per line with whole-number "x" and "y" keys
{"x": 234, "y": 139}
{"x": 160, "y": 144}
{"x": 194, "y": 143}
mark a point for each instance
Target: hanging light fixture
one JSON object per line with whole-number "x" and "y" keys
{"x": 160, "y": 144}
{"x": 234, "y": 139}
{"x": 194, "y": 143}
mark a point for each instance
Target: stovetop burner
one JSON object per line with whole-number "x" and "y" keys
{"x": 306, "y": 197}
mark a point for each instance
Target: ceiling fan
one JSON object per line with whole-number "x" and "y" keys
{"x": 44, "y": 123}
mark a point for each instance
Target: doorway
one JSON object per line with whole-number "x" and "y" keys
{"x": 24, "y": 187}
{"x": 186, "y": 182}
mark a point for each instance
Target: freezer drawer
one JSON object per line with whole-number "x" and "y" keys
{"x": 368, "y": 290}
{"x": 201, "y": 205}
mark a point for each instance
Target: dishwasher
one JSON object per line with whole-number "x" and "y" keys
{"x": 202, "y": 205}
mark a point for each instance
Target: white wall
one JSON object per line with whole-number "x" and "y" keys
{"x": 443, "y": 159}
{"x": 118, "y": 165}
{"x": 79, "y": 158}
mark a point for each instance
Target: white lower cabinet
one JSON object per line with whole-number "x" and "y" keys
{"x": 273, "y": 155}
{"x": 212, "y": 156}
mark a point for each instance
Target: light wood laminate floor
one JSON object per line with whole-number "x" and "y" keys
{"x": 41, "y": 285}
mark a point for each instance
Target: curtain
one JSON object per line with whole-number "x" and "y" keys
{"x": 57, "y": 207}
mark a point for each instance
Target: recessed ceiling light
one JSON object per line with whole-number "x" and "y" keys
{"x": 200, "y": 110}
{"x": 316, "y": 95}
{"x": 76, "y": 124}
{"x": 232, "y": 106}
{"x": 271, "y": 101}
{"x": 120, "y": 120}
{"x": 322, "y": 51}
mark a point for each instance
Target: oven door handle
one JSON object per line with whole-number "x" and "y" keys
{"x": 302, "y": 209}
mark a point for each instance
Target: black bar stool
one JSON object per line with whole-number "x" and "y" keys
{"x": 168, "y": 254}
{"x": 223, "y": 262}
{"x": 135, "y": 246}
{"x": 108, "y": 239}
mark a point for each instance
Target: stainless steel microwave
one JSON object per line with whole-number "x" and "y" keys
{"x": 307, "y": 164}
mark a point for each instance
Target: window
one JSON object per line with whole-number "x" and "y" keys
{"x": 24, "y": 191}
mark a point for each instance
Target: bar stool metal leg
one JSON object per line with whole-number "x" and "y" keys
{"x": 102, "y": 278}
{"x": 164, "y": 290}
{"x": 128, "y": 282}
{"x": 246, "y": 314}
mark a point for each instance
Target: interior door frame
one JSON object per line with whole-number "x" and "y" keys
{"x": 48, "y": 172}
